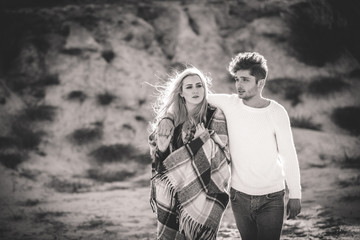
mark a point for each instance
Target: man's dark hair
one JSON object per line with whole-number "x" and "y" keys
{"x": 252, "y": 61}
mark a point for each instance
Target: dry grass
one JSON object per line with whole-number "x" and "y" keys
{"x": 94, "y": 224}
{"x": 67, "y": 186}
{"x": 305, "y": 122}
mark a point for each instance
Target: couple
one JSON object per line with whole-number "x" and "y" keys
{"x": 190, "y": 147}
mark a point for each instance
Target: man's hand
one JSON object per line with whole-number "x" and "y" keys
{"x": 163, "y": 142}
{"x": 165, "y": 127}
{"x": 293, "y": 208}
{"x": 164, "y": 133}
{"x": 199, "y": 130}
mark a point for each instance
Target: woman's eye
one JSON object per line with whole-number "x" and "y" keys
{"x": 199, "y": 86}
{"x": 188, "y": 87}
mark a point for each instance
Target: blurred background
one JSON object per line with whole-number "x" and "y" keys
{"x": 75, "y": 106}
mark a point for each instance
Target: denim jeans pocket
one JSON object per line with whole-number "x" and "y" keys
{"x": 275, "y": 195}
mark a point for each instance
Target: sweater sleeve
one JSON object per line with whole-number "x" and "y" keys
{"x": 287, "y": 152}
{"x": 219, "y": 100}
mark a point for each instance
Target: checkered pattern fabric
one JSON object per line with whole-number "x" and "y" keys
{"x": 190, "y": 194}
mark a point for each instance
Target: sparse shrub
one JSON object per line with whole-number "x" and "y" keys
{"x": 350, "y": 161}
{"x": 113, "y": 153}
{"x": 30, "y": 202}
{"x": 355, "y": 74}
{"x": 72, "y": 51}
{"x": 110, "y": 174}
{"x": 9, "y": 142}
{"x": 28, "y": 138}
{"x": 68, "y": 186}
{"x": 128, "y": 127}
{"x": 48, "y": 80}
{"x": 105, "y": 98}
{"x": 44, "y": 215}
{"x": 17, "y": 83}
{"x": 77, "y": 95}
{"x": 347, "y": 118}
{"x": 17, "y": 216}
{"x": 11, "y": 160}
{"x": 38, "y": 93}
{"x": 326, "y": 86}
{"x": 142, "y": 102}
{"x": 143, "y": 158}
{"x": 86, "y": 135}
{"x": 291, "y": 89}
{"x": 40, "y": 43}
{"x": 194, "y": 25}
{"x": 317, "y": 31}
{"x": 108, "y": 55}
{"x": 305, "y": 122}
{"x": 28, "y": 173}
{"x": 140, "y": 118}
{"x": 40, "y": 113}
{"x": 129, "y": 37}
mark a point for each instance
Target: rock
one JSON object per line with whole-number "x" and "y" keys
{"x": 80, "y": 38}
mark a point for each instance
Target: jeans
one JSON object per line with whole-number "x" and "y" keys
{"x": 258, "y": 217}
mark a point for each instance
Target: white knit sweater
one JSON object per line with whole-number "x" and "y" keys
{"x": 261, "y": 146}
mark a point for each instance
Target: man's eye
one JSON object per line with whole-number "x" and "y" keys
{"x": 188, "y": 87}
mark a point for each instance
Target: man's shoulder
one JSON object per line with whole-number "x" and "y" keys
{"x": 221, "y": 97}
{"x": 277, "y": 108}
{"x": 216, "y": 111}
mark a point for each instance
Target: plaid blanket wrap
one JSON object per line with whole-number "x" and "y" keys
{"x": 190, "y": 194}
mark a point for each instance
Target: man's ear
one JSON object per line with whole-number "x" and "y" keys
{"x": 261, "y": 83}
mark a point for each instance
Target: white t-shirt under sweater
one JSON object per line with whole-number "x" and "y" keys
{"x": 261, "y": 147}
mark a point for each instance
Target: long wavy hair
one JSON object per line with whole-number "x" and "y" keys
{"x": 169, "y": 99}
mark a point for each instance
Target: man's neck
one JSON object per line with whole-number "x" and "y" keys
{"x": 256, "y": 102}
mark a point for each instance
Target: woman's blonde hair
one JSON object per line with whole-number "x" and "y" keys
{"x": 169, "y": 99}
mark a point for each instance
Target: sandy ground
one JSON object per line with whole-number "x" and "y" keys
{"x": 121, "y": 210}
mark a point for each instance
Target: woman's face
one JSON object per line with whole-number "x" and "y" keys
{"x": 193, "y": 91}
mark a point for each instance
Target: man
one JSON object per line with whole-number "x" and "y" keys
{"x": 262, "y": 152}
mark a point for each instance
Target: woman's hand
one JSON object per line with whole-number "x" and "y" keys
{"x": 163, "y": 142}
{"x": 199, "y": 130}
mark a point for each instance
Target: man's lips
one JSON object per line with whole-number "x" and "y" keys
{"x": 195, "y": 96}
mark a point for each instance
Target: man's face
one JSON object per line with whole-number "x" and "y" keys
{"x": 245, "y": 84}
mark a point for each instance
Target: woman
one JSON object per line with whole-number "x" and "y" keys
{"x": 190, "y": 168}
